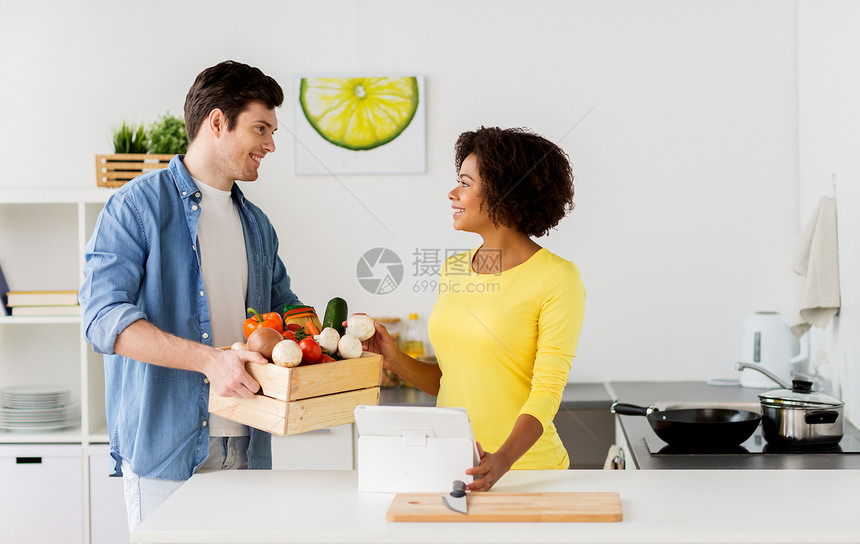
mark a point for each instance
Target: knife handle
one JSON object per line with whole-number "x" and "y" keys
{"x": 459, "y": 489}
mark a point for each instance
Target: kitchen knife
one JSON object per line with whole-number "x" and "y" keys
{"x": 456, "y": 499}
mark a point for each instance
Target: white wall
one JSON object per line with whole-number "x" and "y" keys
{"x": 829, "y": 121}
{"x": 686, "y": 168}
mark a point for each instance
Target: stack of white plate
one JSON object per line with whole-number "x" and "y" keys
{"x": 37, "y": 408}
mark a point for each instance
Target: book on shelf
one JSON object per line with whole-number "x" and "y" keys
{"x": 46, "y": 310}
{"x": 42, "y": 298}
{"x": 4, "y": 288}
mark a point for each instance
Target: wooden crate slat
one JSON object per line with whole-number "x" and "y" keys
{"x": 328, "y": 411}
{"x": 132, "y": 166}
{"x": 125, "y": 175}
{"x": 317, "y": 380}
{"x": 295, "y": 417}
{"x": 114, "y": 170}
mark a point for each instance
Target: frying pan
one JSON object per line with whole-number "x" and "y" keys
{"x": 696, "y": 428}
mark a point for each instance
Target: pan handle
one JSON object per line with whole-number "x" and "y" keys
{"x": 631, "y": 409}
{"x": 817, "y": 417}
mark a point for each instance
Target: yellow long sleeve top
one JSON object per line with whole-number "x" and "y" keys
{"x": 504, "y": 343}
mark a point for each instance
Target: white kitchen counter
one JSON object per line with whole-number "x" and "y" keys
{"x": 708, "y": 506}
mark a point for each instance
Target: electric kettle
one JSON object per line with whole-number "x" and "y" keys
{"x": 766, "y": 340}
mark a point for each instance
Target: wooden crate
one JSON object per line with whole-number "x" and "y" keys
{"x": 304, "y": 398}
{"x": 115, "y": 170}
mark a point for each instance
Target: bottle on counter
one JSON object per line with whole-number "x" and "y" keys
{"x": 413, "y": 337}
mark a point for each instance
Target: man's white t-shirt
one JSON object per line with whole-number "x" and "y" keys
{"x": 224, "y": 263}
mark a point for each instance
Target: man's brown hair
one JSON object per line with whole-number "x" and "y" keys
{"x": 231, "y": 87}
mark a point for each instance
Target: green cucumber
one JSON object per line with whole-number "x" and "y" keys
{"x": 336, "y": 313}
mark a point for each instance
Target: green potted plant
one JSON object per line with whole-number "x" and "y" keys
{"x": 130, "y": 139}
{"x": 167, "y": 136}
{"x": 139, "y": 149}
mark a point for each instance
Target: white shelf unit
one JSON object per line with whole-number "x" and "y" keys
{"x": 43, "y": 234}
{"x": 42, "y": 238}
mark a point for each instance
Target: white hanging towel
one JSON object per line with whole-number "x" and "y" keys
{"x": 816, "y": 259}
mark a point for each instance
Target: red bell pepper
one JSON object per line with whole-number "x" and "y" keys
{"x": 271, "y": 320}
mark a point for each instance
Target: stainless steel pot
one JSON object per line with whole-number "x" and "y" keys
{"x": 801, "y": 417}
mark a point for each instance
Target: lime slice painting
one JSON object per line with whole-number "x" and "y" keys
{"x": 359, "y": 113}
{"x": 360, "y": 124}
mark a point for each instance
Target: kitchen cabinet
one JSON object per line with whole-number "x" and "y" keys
{"x": 42, "y": 238}
{"x": 42, "y": 498}
{"x": 324, "y": 449}
{"x": 585, "y": 424}
{"x": 108, "y": 518}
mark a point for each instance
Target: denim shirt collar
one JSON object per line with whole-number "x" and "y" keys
{"x": 186, "y": 187}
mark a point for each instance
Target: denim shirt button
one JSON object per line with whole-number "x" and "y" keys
{"x": 202, "y": 294}
{"x": 194, "y": 208}
{"x": 197, "y": 195}
{"x": 205, "y": 423}
{"x": 205, "y": 335}
{"x": 205, "y": 380}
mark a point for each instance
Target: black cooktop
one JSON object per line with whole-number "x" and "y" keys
{"x": 755, "y": 444}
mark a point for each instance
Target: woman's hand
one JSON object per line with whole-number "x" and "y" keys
{"x": 381, "y": 343}
{"x": 492, "y": 467}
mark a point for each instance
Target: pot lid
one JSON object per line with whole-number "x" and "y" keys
{"x": 800, "y": 395}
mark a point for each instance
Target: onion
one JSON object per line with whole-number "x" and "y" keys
{"x": 263, "y": 340}
{"x": 361, "y": 326}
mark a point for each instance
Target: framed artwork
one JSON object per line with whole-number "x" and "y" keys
{"x": 360, "y": 124}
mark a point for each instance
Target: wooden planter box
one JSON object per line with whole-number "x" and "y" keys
{"x": 304, "y": 398}
{"x": 115, "y": 170}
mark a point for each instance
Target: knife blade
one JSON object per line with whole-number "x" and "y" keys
{"x": 456, "y": 499}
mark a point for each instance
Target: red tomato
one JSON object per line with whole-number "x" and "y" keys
{"x": 327, "y": 359}
{"x": 311, "y": 351}
{"x": 292, "y": 327}
{"x": 289, "y": 335}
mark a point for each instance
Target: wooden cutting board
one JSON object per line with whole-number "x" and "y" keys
{"x": 490, "y": 506}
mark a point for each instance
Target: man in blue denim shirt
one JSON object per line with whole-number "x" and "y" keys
{"x": 175, "y": 257}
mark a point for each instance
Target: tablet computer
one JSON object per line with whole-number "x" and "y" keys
{"x": 413, "y": 448}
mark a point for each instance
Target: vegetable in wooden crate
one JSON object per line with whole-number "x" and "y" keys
{"x": 270, "y": 320}
{"x": 335, "y": 315}
{"x": 299, "y": 315}
{"x": 349, "y": 347}
{"x": 311, "y": 352}
{"x": 287, "y": 353}
{"x": 263, "y": 341}
{"x": 328, "y": 339}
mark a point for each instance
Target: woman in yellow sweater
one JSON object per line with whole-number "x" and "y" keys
{"x": 508, "y": 314}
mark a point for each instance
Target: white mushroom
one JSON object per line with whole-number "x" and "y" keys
{"x": 328, "y": 338}
{"x": 287, "y": 353}
{"x": 349, "y": 347}
{"x": 360, "y": 326}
